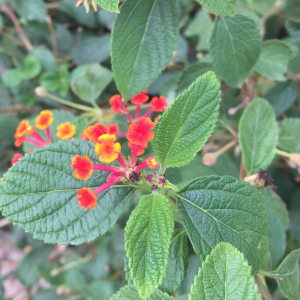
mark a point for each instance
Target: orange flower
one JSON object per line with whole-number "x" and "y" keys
{"x": 156, "y": 119}
{"x": 107, "y": 149}
{"x": 83, "y": 167}
{"x": 118, "y": 105}
{"x": 66, "y": 130}
{"x": 16, "y": 158}
{"x": 24, "y": 128}
{"x": 94, "y": 132}
{"x": 152, "y": 163}
{"x": 19, "y": 141}
{"x": 159, "y": 104}
{"x": 84, "y": 137}
{"x": 87, "y": 199}
{"x": 44, "y": 120}
{"x": 141, "y": 150}
{"x": 140, "y": 133}
{"x": 140, "y": 98}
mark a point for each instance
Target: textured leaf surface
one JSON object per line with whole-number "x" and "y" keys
{"x": 148, "y": 233}
{"x": 293, "y": 27}
{"x": 39, "y": 194}
{"x": 282, "y": 96}
{"x": 225, "y": 274}
{"x": 289, "y": 135}
{"x": 287, "y": 275}
{"x": 218, "y": 209}
{"x": 186, "y": 125}
{"x": 110, "y": 5}
{"x": 220, "y": 7}
{"x": 143, "y": 38}
{"x": 91, "y": 83}
{"x": 273, "y": 60}
{"x": 177, "y": 263}
{"x": 235, "y": 48}
{"x": 258, "y": 135}
{"x": 130, "y": 292}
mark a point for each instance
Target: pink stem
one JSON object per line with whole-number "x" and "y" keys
{"x": 129, "y": 116}
{"x": 134, "y": 154}
{"x": 102, "y": 188}
{"x": 38, "y": 144}
{"x": 148, "y": 113}
{"x": 140, "y": 167}
{"x": 48, "y": 135}
{"x": 121, "y": 134}
{"x": 106, "y": 168}
{"x": 137, "y": 113}
{"x": 122, "y": 161}
{"x": 37, "y": 136}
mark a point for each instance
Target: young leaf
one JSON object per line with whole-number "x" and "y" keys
{"x": 235, "y": 46}
{"x": 273, "y": 60}
{"x": 293, "y": 28}
{"x": 177, "y": 263}
{"x": 225, "y": 274}
{"x": 129, "y": 292}
{"x": 282, "y": 96}
{"x": 39, "y": 194}
{"x": 218, "y": 209}
{"x": 186, "y": 125}
{"x": 148, "y": 233}
{"x": 287, "y": 276}
{"x": 12, "y": 78}
{"x": 143, "y": 38}
{"x": 258, "y": 134}
{"x": 31, "y": 67}
{"x": 91, "y": 83}
{"x": 289, "y": 135}
{"x": 220, "y": 7}
{"x": 110, "y": 5}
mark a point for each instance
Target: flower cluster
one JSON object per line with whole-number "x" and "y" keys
{"x": 27, "y": 133}
{"x": 87, "y": 4}
{"x": 130, "y": 170}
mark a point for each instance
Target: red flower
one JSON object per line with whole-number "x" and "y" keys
{"x": 159, "y": 104}
{"x": 140, "y": 133}
{"x": 152, "y": 163}
{"x": 107, "y": 149}
{"x": 94, "y": 132}
{"x": 118, "y": 105}
{"x": 88, "y": 198}
{"x": 84, "y": 137}
{"x": 140, "y": 98}
{"x": 141, "y": 150}
{"x": 24, "y": 128}
{"x": 83, "y": 167}
{"x": 44, "y": 120}
{"x": 66, "y": 130}
{"x": 16, "y": 158}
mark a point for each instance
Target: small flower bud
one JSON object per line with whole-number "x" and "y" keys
{"x": 209, "y": 159}
{"x": 295, "y": 159}
{"x": 40, "y": 91}
{"x": 161, "y": 181}
{"x": 150, "y": 178}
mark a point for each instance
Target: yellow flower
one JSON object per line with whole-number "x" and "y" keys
{"x": 86, "y": 4}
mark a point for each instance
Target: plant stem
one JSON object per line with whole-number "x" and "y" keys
{"x": 282, "y": 153}
{"x": 262, "y": 288}
{"x": 52, "y": 35}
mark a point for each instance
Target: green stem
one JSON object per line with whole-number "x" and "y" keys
{"x": 262, "y": 288}
{"x": 282, "y": 153}
{"x": 68, "y": 103}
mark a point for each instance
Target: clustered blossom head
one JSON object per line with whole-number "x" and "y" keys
{"x": 94, "y": 132}
{"x": 66, "y": 131}
{"x": 108, "y": 150}
{"x": 118, "y": 105}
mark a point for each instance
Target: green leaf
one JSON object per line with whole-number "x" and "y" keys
{"x": 12, "y": 78}
{"x": 235, "y": 46}
{"x": 81, "y": 124}
{"x": 293, "y": 28}
{"x": 191, "y": 73}
{"x": 220, "y": 7}
{"x": 28, "y": 269}
{"x": 91, "y": 83}
{"x": 148, "y": 233}
{"x": 31, "y": 67}
{"x": 110, "y": 5}
{"x": 177, "y": 263}
{"x": 31, "y": 10}
{"x": 282, "y": 96}
{"x": 46, "y": 58}
{"x": 39, "y": 194}
{"x": 50, "y": 81}
{"x": 273, "y": 60}
{"x": 129, "y": 292}
{"x": 186, "y": 125}
{"x": 287, "y": 276}
{"x": 143, "y": 38}
{"x": 218, "y": 209}
{"x": 225, "y": 274}
{"x": 289, "y": 135}
{"x": 258, "y": 134}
